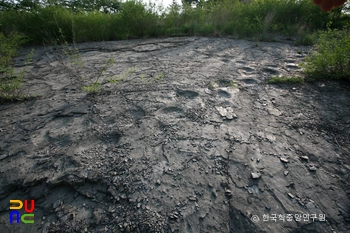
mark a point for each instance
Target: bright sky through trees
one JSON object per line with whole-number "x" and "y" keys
{"x": 165, "y": 3}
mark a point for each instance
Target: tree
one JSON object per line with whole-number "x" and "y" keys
{"x": 190, "y": 2}
{"x": 107, "y": 6}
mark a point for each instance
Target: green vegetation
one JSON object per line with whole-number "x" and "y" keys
{"x": 285, "y": 80}
{"x": 153, "y": 79}
{"x": 305, "y": 39}
{"x": 331, "y": 60}
{"x": 82, "y": 21}
{"x": 117, "y": 79}
{"x": 143, "y": 76}
{"x": 92, "y": 88}
{"x": 72, "y": 53}
{"x": 212, "y": 85}
{"x": 158, "y": 78}
{"x": 95, "y": 87}
{"x": 11, "y": 81}
{"x": 8, "y": 49}
{"x": 231, "y": 84}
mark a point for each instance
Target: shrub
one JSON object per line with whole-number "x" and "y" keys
{"x": 10, "y": 82}
{"x": 90, "y": 26}
{"x": 134, "y": 18}
{"x": 8, "y": 49}
{"x": 331, "y": 60}
{"x": 305, "y": 39}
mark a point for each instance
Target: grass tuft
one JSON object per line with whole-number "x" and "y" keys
{"x": 158, "y": 78}
{"x": 285, "y": 80}
{"x": 93, "y": 88}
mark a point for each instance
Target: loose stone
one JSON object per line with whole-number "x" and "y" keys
{"x": 312, "y": 167}
{"x": 256, "y": 175}
{"x": 285, "y": 160}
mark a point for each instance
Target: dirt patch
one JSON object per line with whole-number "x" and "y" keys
{"x": 207, "y": 146}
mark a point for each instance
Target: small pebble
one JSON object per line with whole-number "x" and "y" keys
{"x": 312, "y": 168}
{"x": 285, "y": 160}
{"x": 228, "y": 193}
{"x": 256, "y": 175}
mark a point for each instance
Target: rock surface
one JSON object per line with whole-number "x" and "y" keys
{"x": 172, "y": 147}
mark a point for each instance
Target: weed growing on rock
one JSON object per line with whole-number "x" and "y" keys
{"x": 285, "y": 80}
{"x": 212, "y": 85}
{"x": 122, "y": 77}
{"x": 69, "y": 52}
{"x": 92, "y": 88}
{"x": 74, "y": 55}
{"x": 11, "y": 81}
{"x": 115, "y": 79}
{"x": 143, "y": 76}
{"x": 95, "y": 87}
{"x": 158, "y": 78}
{"x": 231, "y": 84}
{"x": 72, "y": 52}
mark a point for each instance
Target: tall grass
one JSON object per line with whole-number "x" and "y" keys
{"x": 262, "y": 16}
{"x": 47, "y": 24}
{"x": 136, "y": 19}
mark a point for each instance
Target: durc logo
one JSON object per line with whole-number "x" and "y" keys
{"x": 26, "y": 218}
